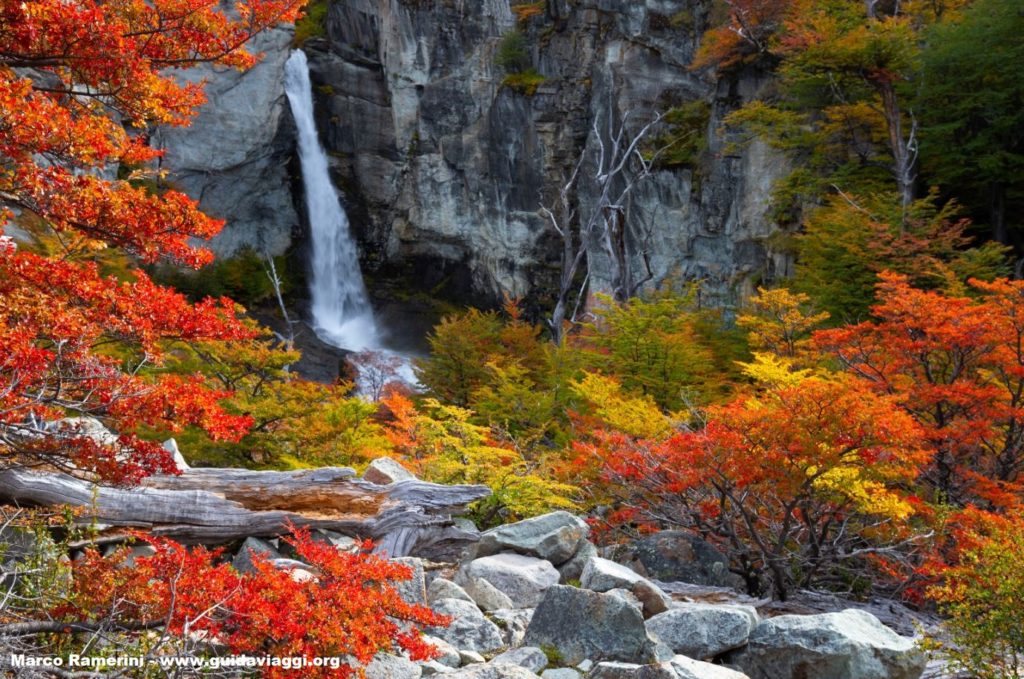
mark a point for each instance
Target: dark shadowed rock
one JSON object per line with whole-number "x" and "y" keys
{"x": 243, "y": 557}
{"x": 679, "y": 556}
{"x": 581, "y": 624}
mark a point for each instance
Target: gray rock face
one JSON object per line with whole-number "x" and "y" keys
{"x": 581, "y": 624}
{"x": 703, "y": 630}
{"x": 469, "y": 630}
{"x": 443, "y": 168}
{"x": 850, "y": 644}
{"x": 530, "y": 657}
{"x": 677, "y": 556}
{"x": 384, "y": 470}
{"x": 233, "y": 157}
{"x": 523, "y": 579}
{"x": 688, "y": 668}
{"x": 555, "y": 537}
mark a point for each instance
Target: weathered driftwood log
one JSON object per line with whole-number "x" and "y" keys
{"x": 221, "y": 505}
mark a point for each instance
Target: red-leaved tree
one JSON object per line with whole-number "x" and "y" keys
{"x": 81, "y": 84}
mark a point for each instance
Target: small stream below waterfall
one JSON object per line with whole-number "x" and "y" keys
{"x": 342, "y": 315}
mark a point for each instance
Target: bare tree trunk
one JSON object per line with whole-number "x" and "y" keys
{"x": 903, "y": 148}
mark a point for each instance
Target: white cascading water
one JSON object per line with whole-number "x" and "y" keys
{"x": 342, "y": 314}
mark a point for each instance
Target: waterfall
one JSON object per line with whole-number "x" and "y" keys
{"x": 342, "y": 314}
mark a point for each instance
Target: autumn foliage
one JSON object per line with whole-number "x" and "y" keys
{"x": 350, "y": 608}
{"x": 80, "y": 85}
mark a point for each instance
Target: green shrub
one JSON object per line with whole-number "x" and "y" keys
{"x": 513, "y": 55}
{"x": 313, "y": 23}
{"x": 525, "y": 82}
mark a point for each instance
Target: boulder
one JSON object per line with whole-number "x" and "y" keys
{"x": 602, "y": 575}
{"x": 524, "y": 579}
{"x": 678, "y": 556}
{"x": 850, "y": 644}
{"x": 384, "y": 470}
{"x": 487, "y": 596}
{"x": 554, "y": 537}
{"x": 492, "y": 671}
{"x": 652, "y": 598}
{"x": 442, "y": 588}
{"x": 449, "y": 655}
{"x": 243, "y": 557}
{"x": 573, "y": 568}
{"x": 688, "y": 668}
{"x": 679, "y": 667}
{"x": 580, "y": 624}
{"x": 703, "y": 630}
{"x": 560, "y": 673}
{"x": 469, "y": 629}
{"x": 530, "y": 657}
{"x": 413, "y": 590}
{"x": 470, "y": 658}
{"x": 430, "y": 667}
{"x": 385, "y": 666}
{"x": 513, "y": 623}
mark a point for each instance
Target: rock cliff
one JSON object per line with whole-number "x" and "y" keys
{"x": 443, "y": 167}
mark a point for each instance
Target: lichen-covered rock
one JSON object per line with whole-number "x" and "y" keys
{"x": 469, "y": 629}
{"x": 524, "y": 579}
{"x": 581, "y": 624}
{"x": 703, "y": 630}
{"x": 555, "y": 537}
{"x": 560, "y": 673}
{"x": 850, "y": 644}
{"x": 530, "y": 657}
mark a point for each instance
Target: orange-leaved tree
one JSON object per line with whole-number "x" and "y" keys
{"x": 956, "y": 364}
{"x": 81, "y": 85}
{"x": 805, "y": 482}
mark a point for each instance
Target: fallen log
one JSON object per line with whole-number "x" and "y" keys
{"x": 216, "y": 506}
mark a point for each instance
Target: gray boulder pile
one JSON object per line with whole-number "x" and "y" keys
{"x": 535, "y": 599}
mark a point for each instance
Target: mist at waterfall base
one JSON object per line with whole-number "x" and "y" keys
{"x": 341, "y": 312}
